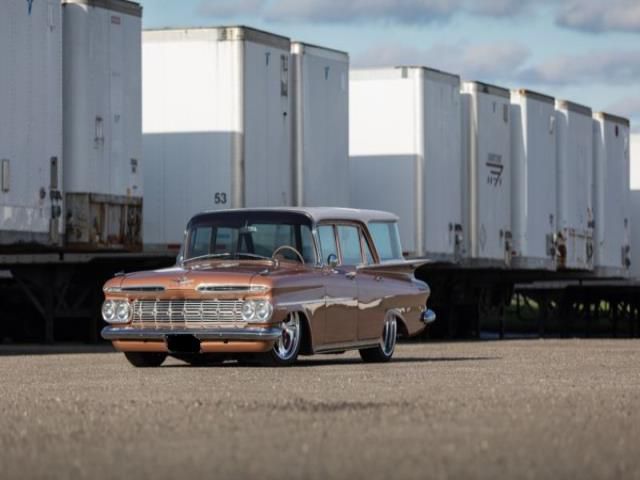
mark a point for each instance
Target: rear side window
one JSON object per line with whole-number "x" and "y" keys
{"x": 350, "y": 244}
{"x": 387, "y": 240}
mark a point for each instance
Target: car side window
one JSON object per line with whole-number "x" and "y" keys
{"x": 349, "y": 236}
{"x": 386, "y": 239}
{"x": 328, "y": 244}
{"x": 367, "y": 251}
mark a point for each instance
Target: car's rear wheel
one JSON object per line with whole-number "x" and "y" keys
{"x": 145, "y": 359}
{"x": 287, "y": 347}
{"x": 384, "y": 351}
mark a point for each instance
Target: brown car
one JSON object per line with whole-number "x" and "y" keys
{"x": 271, "y": 284}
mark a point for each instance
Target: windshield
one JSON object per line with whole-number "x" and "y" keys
{"x": 249, "y": 235}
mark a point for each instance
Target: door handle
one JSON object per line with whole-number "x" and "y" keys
{"x": 350, "y": 275}
{"x": 378, "y": 278}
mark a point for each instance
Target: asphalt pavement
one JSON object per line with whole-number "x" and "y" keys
{"x": 512, "y": 409}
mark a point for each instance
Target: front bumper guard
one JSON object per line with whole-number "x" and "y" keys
{"x": 428, "y": 316}
{"x": 231, "y": 334}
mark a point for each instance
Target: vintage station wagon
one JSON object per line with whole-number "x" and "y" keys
{"x": 270, "y": 284}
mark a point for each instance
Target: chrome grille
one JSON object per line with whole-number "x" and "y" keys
{"x": 169, "y": 311}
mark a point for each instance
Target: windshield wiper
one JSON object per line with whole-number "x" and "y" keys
{"x": 227, "y": 254}
{"x": 252, "y": 255}
{"x": 208, "y": 255}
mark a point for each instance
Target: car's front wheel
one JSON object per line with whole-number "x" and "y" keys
{"x": 384, "y": 351}
{"x": 145, "y": 359}
{"x": 286, "y": 349}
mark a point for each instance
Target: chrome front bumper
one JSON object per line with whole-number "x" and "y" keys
{"x": 237, "y": 334}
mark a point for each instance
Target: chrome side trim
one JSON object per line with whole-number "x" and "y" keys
{"x": 129, "y": 333}
{"x": 339, "y": 347}
{"x": 210, "y": 287}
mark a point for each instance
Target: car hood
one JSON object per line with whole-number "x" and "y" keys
{"x": 178, "y": 278}
{"x": 241, "y": 274}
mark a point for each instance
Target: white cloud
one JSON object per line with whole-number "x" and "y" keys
{"x": 354, "y": 11}
{"x": 600, "y": 15}
{"x": 619, "y": 67}
{"x": 500, "y": 8}
{"x": 483, "y": 61}
{"x": 585, "y": 15}
{"x": 628, "y": 107}
{"x": 346, "y": 11}
{"x": 231, "y": 8}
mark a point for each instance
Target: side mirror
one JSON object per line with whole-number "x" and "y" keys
{"x": 332, "y": 260}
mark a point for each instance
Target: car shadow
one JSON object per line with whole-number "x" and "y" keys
{"x": 348, "y": 361}
{"x": 323, "y": 362}
{"x": 9, "y": 350}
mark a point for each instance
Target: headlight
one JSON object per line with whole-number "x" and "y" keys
{"x": 248, "y": 310}
{"x": 116, "y": 311}
{"x": 256, "y": 311}
{"x": 109, "y": 310}
{"x": 263, "y": 310}
{"x": 122, "y": 312}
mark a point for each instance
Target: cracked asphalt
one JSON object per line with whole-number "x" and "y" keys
{"x": 519, "y": 409}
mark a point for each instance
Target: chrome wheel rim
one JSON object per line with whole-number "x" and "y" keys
{"x": 287, "y": 344}
{"x": 389, "y": 335}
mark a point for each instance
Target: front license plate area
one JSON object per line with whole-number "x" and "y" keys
{"x": 183, "y": 344}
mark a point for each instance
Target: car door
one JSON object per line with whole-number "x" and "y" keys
{"x": 372, "y": 292}
{"x": 341, "y": 290}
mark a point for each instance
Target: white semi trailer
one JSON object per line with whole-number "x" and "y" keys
{"x": 320, "y": 137}
{"x": 611, "y": 196}
{"x": 635, "y": 205}
{"x": 31, "y": 124}
{"x": 216, "y": 123}
{"x": 574, "y": 192}
{"x": 533, "y": 179}
{"x": 405, "y": 154}
{"x": 486, "y": 190}
{"x": 102, "y": 124}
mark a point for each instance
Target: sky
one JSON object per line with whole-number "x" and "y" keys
{"x": 586, "y": 51}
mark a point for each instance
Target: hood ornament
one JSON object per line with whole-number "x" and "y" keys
{"x": 183, "y": 280}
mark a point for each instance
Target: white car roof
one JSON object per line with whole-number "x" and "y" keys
{"x": 319, "y": 214}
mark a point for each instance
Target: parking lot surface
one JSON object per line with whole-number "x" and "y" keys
{"x": 523, "y": 409}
